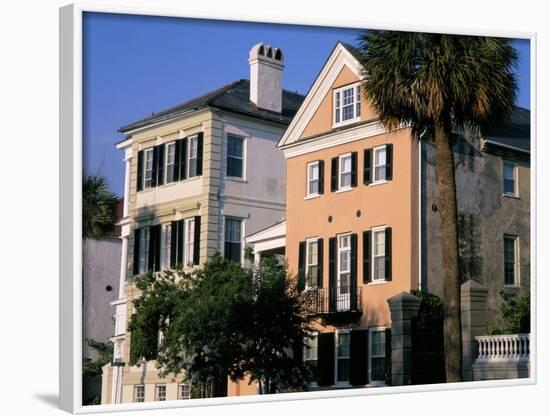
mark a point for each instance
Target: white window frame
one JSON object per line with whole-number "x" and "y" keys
{"x": 371, "y": 331}
{"x": 517, "y": 278}
{"x": 243, "y": 157}
{"x": 241, "y": 220}
{"x": 141, "y": 398}
{"x": 166, "y": 241}
{"x": 146, "y": 154}
{"x": 374, "y": 150}
{"x": 157, "y": 392}
{"x": 341, "y": 172}
{"x": 144, "y": 249}
{"x": 337, "y": 334}
{"x": 338, "y": 106}
{"x": 375, "y": 230}
{"x": 180, "y": 393}
{"x": 194, "y": 138}
{"x": 343, "y": 303}
{"x": 308, "y": 242}
{"x": 189, "y": 241}
{"x": 312, "y": 335}
{"x": 515, "y": 174}
{"x": 167, "y": 164}
{"x": 310, "y": 180}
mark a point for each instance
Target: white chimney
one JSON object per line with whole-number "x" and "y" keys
{"x": 266, "y": 77}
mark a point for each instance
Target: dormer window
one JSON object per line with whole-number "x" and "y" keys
{"x": 347, "y": 104}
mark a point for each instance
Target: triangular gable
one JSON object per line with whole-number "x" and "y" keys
{"x": 340, "y": 66}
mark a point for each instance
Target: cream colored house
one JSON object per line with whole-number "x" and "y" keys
{"x": 199, "y": 177}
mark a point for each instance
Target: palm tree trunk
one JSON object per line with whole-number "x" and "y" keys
{"x": 452, "y": 329}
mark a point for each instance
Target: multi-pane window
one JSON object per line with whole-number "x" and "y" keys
{"x": 189, "y": 241}
{"x": 193, "y": 152}
{"x": 170, "y": 161}
{"x": 313, "y": 178}
{"x": 379, "y": 255}
{"x": 166, "y": 245}
{"x": 148, "y": 168}
{"x": 380, "y": 164}
{"x": 345, "y": 171}
{"x": 347, "y": 104}
{"x": 184, "y": 392}
{"x": 312, "y": 260}
{"x": 139, "y": 393}
{"x": 342, "y": 357}
{"x": 510, "y": 260}
{"x": 160, "y": 392}
{"x": 232, "y": 248}
{"x": 235, "y": 156}
{"x": 377, "y": 355}
{"x": 310, "y": 351}
{"x": 143, "y": 250}
{"x": 509, "y": 174}
{"x": 344, "y": 273}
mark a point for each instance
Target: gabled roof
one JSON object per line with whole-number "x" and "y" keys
{"x": 234, "y": 97}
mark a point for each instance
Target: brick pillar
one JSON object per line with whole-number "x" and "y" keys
{"x": 404, "y": 307}
{"x": 473, "y": 314}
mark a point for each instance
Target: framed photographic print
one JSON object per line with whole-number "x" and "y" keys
{"x": 260, "y": 211}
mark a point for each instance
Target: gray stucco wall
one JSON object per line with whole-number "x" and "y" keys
{"x": 100, "y": 268}
{"x": 484, "y": 216}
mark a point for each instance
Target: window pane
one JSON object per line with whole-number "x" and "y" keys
{"x": 189, "y": 240}
{"x": 343, "y": 344}
{"x": 313, "y": 187}
{"x": 378, "y": 366}
{"x": 170, "y": 159}
{"x": 348, "y": 96}
{"x": 347, "y": 112}
{"x": 343, "y": 370}
{"x": 234, "y": 167}
{"x": 193, "y": 147}
{"x": 234, "y": 146}
{"x": 379, "y": 243}
{"x": 380, "y": 164}
{"x": 166, "y": 244}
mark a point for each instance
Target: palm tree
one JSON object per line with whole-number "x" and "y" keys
{"x": 98, "y": 207}
{"x": 437, "y": 84}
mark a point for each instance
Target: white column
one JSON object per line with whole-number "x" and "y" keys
{"x": 127, "y": 160}
{"x": 123, "y": 267}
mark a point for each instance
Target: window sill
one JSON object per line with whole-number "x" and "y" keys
{"x": 515, "y": 196}
{"x": 379, "y": 282}
{"x": 343, "y": 190}
{"x": 236, "y": 179}
{"x": 512, "y": 286}
{"x": 341, "y": 385}
{"x": 312, "y": 196}
{"x": 347, "y": 122}
{"x": 374, "y": 184}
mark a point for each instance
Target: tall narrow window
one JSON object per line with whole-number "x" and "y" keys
{"x": 347, "y": 104}
{"x": 377, "y": 351}
{"x": 189, "y": 241}
{"x": 170, "y": 161}
{"x": 379, "y": 255}
{"x": 193, "y": 151}
{"x": 312, "y": 261}
{"x": 510, "y": 260}
{"x": 345, "y": 172}
{"x": 160, "y": 392}
{"x": 139, "y": 393}
{"x": 342, "y": 357}
{"x": 143, "y": 250}
{"x": 148, "y": 168}
{"x": 235, "y": 156}
{"x": 310, "y": 351}
{"x": 344, "y": 273}
{"x": 184, "y": 392}
{"x": 509, "y": 174}
{"x": 166, "y": 245}
{"x": 313, "y": 178}
{"x": 380, "y": 164}
{"x": 232, "y": 247}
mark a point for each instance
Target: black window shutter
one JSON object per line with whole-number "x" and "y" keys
{"x": 181, "y": 234}
{"x": 177, "y": 150}
{"x": 200, "y": 144}
{"x": 321, "y": 176}
{"x": 153, "y": 257}
{"x": 140, "y": 171}
{"x": 136, "y": 251}
{"x": 173, "y": 244}
{"x": 154, "y": 173}
{"x": 183, "y": 159}
{"x": 354, "y": 169}
{"x": 320, "y": 247}
{"x": 301, "y": 265}
{"x": 325, "y": 358}
{"x": 160, "y": 165}
{"x": 388, "y": 356}
{"x": 332, "y": 273}
{"x": 389, "y": 161}
{"x": 197, "y": 241}
{"x": 358, "y": 357}
{"x": 387, "y": 257}
{"x": 367, "y": 256}
{"x": 157, "y": 246}
{"x": 353, "y": 272}
{"x": 334, "y": 174}
{"x": 367, "y": 170}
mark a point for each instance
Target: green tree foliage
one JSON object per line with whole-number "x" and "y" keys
{"x": 98, "y": 207}
{"x": 222, "y": 320}
{"x": 516, "y": 313}
{"x": 436, "y": 84}
{"x": 92, "y": 368}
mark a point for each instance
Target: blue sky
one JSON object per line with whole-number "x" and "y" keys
{"x": 136, "y": 65}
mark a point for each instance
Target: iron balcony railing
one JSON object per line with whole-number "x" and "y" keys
{"x": 326, "y": 301}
